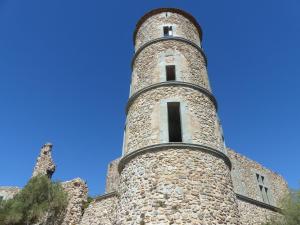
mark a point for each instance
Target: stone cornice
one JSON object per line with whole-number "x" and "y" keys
{"x": 166, "y": 146}
{"x": 108, "y": 195}
{"x": 173, "y": 38}
{"x": 258, "y": 203}
{"x": 172, "y": 83}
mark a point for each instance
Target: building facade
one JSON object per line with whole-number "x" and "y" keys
{"x": 175, "y": 167}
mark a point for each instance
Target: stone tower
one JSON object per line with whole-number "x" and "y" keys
{"x": 174, "y": 169}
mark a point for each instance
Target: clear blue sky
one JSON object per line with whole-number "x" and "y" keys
{"x": 65, "y": 72}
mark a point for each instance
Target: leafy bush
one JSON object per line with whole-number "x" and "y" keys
{"x": 40, "y": 200}
{"x": 290, "y": 206}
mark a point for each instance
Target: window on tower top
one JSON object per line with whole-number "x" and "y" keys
{"x": 168, "y": 31}
{"x": 170, "y": 73}
{"x": 174, "y": 122}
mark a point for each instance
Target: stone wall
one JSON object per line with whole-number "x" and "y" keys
{"x": 251, "y": 214}
{"x": 101, "y": 211}
{"x": 77, "y": 195}
{"x": 245, "y": 181}
{"x": 152, "y": 28}
{"x": 8, "y": 192}
{"x": 112, "y": 177}
{"x": 176, "y": 186}
{"x": 149, "y": 65}
{"x": 145, "y": 118}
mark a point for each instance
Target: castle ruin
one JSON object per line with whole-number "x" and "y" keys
{"x": 175, "y": 167}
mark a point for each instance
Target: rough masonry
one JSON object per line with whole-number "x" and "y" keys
{"x": 44, "y": 164}
{"x": 175, "y": 167}
{"x": 196, "y": 180}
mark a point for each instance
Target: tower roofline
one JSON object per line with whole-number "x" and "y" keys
{"x": 160, "y": 10}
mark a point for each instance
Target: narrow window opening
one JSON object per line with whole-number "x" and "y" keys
{"x": 267, "y": 197}
{"x": 168, "y": 31}
{"x": 174, "y": 122}
{"x": 170, "y": 73}
{"x": 262, "y": 192}
{"x": 263, "y": 189}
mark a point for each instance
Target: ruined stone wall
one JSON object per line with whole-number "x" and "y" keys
{"x": 44, "y": 164}
{"x": 112, "y": 177}
{"x": 8, "y": 192}
{"x": 245, "y": 181}
{"x": 144, "y": 119}
{"x": 102, "y": 211}
{"x": 176, "y": 186}
{"x": 152, "y": 28}
{"x": 77, "y": 195}
{"x": 149, "y": 65}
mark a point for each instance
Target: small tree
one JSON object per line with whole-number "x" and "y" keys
{"x": 39, "y": 200}
{"x": 290, "y": 206}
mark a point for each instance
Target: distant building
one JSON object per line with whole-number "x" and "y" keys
{"x": 175, "y": 167}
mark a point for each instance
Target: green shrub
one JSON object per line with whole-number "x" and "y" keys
{"x": 38, "y": 200}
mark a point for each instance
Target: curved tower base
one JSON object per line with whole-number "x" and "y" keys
{"x": 176, "y": 184}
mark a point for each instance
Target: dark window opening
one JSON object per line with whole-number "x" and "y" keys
{"x": 168, "y": 31}
{"x": 261, "y": 190}
{"x": 264, "y": 194}
{"x": 267, "y": 196}
{"x": 170, "y": 73}
{"x": 174, "y": 122}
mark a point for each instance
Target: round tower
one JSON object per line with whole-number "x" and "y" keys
{"x": 174, "y": 168}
